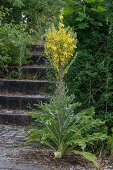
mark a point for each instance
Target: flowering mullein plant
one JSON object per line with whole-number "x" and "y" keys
{"x": 60, "y": 46}
{"x": 59, "y": 125}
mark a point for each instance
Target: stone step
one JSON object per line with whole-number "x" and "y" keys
{"x": 18, "y": 97}
{"x": 38, "y": 59}
{"x": 28, "y": 72}
{"x": 21, "y": 102}
{"x": 40, "y": 71}
{"x": 32, "y": 87}
{"x": 38, "y": 56}
{"x": 17, "y": 117}
{"x": 37, "y": 49}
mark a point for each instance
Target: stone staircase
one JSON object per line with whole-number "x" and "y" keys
{"x": 17, "y": 96}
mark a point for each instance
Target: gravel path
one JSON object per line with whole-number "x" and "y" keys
{"x": 15, "y": 156}
{"x": 11, "y": 144}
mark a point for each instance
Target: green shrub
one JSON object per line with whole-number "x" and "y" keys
{"x": 90, "y": 76}
{"x": 63, "y": 128}
{"x": 12, "y": 38}
{"x": 110, "y": 142}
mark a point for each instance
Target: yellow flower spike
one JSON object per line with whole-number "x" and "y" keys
{"x": 60, "y": 45}
{"x": 61, "y": 25}
{"x": 61, "y": 17}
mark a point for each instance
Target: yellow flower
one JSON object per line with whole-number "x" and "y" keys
{"x": 61, "y": 17}
{"x": 61, "y": 25}
{"x": 60, "y": 45}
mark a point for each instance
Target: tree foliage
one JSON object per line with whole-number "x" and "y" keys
{"x": 14, "y": 40}
{"x": 37, "y": 13}
{"x": 90, "y": 77}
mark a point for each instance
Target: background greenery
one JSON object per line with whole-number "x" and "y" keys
{"x": 90, "y": 77}
{"x": 37, "y": 13}
{"x": 14, "y": 41}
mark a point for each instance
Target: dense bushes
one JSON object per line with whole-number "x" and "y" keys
{"x": 90, "y": 77}
{"x": 14, "y": 40}
{"x": 38, "y": 13}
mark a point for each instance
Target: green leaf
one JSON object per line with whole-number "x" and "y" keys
{"x": 90, "y": 1}
{"x": 90, "y": 111}
{"x": 75, "y": 105}
{"x": 88, "y": 156}
{"x": 72, "y": 3}
{"x": 79, "y": 140}
{"x": 80, "y": 17}
{"x": 83, "y": 25}
{"x": 96, "y": 137}
{"x": 99, "y": 9}
{"x": 68, "y": 11}
{"x": 18, "y": 3}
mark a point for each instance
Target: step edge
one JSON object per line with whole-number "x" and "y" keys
{"x": 25, "y": 80}
{"x": 25, "y": 96}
